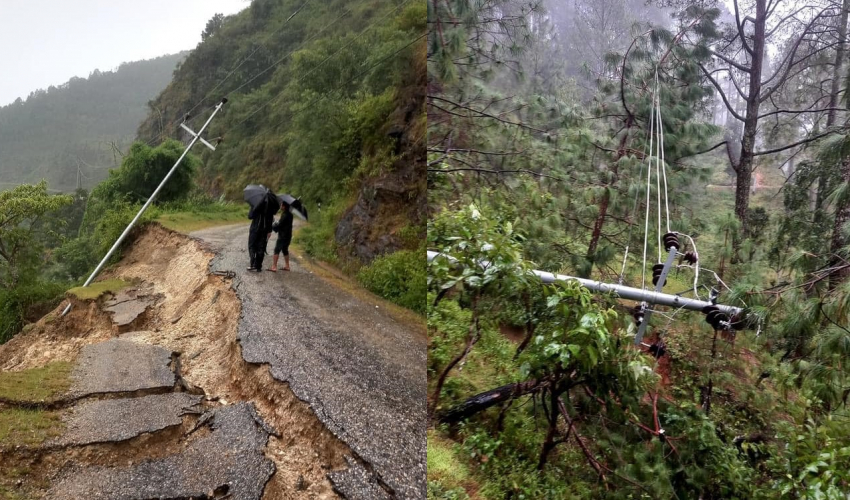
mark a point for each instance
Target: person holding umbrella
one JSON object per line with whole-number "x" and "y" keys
{"x": 264, "y": 204}
{"x": 283, "y": 228}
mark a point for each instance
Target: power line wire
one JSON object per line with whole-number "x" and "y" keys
{"x": 319, "y": 98}
{"x": 244, "y": 59}
{"x": 171, "y": 123}
{"x": 276, "y": 96}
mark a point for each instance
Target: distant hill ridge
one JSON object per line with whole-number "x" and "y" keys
{"x": 55, "y": 131}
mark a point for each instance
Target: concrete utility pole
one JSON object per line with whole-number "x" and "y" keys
{"x": 195, "y": 137}
{"x": 627, "y": 292}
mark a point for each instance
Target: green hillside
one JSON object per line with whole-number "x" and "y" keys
{"x": 55, "y": 131}
{"x": 326, "y": 101}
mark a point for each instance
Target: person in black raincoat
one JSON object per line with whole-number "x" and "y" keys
{"x": 283, "y": 228}
{"x": 262, "y": 217}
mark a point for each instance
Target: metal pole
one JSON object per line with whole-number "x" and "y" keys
{"x": 624, "y": 292}
{"x": 671, "y": 256}
{"x": 148, "y": 203}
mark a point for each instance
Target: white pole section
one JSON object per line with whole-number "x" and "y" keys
{"x": 148, "y": 203}
{"x": 624, "y": 292}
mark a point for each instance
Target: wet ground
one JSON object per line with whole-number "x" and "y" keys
{"x": 201, "y": 380}
{"x": 360, "y": 370}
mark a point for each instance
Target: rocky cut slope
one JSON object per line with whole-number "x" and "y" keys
{"x": 326, "y": 101}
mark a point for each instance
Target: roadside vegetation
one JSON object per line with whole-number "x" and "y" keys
{"x": 339, "y": 122}
{"x": 540, "y": 133}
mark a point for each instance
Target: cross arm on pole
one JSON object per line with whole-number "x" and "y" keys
{"x": 150, "y": 200}
{"x": 625, "y": 292}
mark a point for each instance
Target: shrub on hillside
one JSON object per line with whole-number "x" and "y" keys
{"x": 15, "y": 302}
{"x": 398, "y": 277}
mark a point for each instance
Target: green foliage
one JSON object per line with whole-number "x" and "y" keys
{"x": 143, "y": 169}
{"x": 318, "y": 238}
{"x": 398, "y": 277}
{"x": 16, "y": 302}
{"x": 815, "y": 462}
{"x": 21, "y": 209}
{"x": 36, "y": 384}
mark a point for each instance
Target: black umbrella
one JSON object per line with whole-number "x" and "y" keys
{"x": 294, "y": 204}
{"x": 257, "y": 194}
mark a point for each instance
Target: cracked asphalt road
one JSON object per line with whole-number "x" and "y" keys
{"x": 362, "y": 372}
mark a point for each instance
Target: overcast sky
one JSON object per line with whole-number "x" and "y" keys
{"x": 46, "y": 42}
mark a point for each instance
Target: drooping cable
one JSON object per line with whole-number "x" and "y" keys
{"x": 245, "y": 59}
{"x": 277, "y": 96}
{"x": 663, "y": 163}
{"x": 648, "y": 185}
{"x": 634, "y": 212}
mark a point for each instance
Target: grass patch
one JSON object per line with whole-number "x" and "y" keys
{"x": 36, "y": 384}
{"x": 318, "y": 239}
{"x": 398, "y": 277}
{"x": 22, "y": 427}
{"x": 443, "y": 464}
{"x": 193, "y": 217}
{"x": 95, "y": 290}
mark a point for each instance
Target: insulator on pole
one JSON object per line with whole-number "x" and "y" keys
{"x": 716, "y": 318}
{"x": 690, "y": 257}
{"x": 658, "y": 348}
{"x": 639, "y": 313}
{"x": 671, "y": 240}
{"x": 657, "y": 269}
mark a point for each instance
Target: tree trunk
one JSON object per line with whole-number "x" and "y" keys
{"x": 837, "y": 77}
{"x": 597, "y": 231}
{"x": 549, "y": 443}
{"x": 842, "y": 209}
{"x": 842, "y": 217}
{"x": 499, "y": 395}
{"x": 744, "y": 169}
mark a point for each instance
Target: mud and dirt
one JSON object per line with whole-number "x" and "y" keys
{"x": 194, "y": 315}
{"x": 361, "y": 369}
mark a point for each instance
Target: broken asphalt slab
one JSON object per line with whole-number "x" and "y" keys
{"x": 362, "y": 372}
{"x": 119, "y": 365}
{"x": 114, "y": 420}
{"x": 229, "y": 460}
{"x": 127, "y": 305}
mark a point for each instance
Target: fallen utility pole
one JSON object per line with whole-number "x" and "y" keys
{"x": 624, "y": 292}
{"x": 195, "y": 138}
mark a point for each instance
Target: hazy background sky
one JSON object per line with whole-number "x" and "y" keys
{"x": 46, "y": 42}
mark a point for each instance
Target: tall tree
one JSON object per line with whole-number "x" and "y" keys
{"x": 741, "y": 55}
{"x": 20, "y": 209}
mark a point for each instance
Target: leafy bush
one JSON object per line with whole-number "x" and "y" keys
{"x": 75, "y": 259}
{"x": 113, "y": 222}
{"x": 14, "y": 303}
{"x": 398, "y": 277}
{"x": 143, "y": 169}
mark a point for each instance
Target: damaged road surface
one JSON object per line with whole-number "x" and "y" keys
{"x": 193, "y": 379}
{"x": 227, "y": 462}
{"x": 360, "y": 370}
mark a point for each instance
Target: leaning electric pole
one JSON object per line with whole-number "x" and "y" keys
{"x": 195, "y": 138}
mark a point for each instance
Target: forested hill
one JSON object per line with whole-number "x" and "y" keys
{"x": 54, "y": 131}
{"x": 326, "y": 100}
